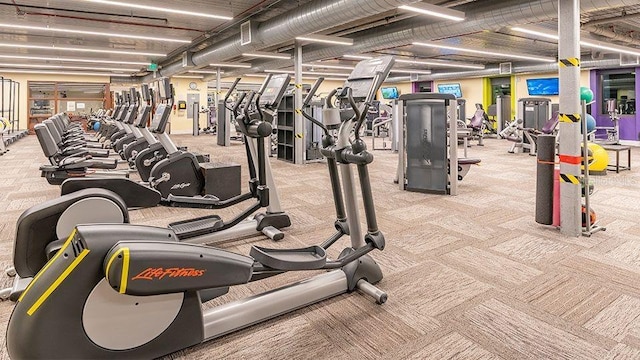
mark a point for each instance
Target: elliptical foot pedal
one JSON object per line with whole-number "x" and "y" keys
{"x": 309, "y": 258}
{"x": 196, "y": 227}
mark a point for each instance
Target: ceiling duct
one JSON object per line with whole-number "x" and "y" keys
{"x": 480, "y": 16}
{"x": 530, "y": 69}
{"x": 306, "y": 19}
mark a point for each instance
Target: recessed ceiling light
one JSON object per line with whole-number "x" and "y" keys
{"x": 441, "y": 63}
{"x": 53, "y": 66}
{"x": 268, "y": 55}
{"x": 486, "y": 52}
{"x": 319, "y": 73}
{"x": 326, "y": 39}
{"x": 187, "y": 77}
{"x": 73, "y": 59}
{"x": 56, "y": 72}
{"x": 205, "y": 72}
{"x": 75, "y": 30}
{"x": 549, "y": 34}
{"x": 411, "y": 71}
{"x": 434, "y": 10}
{"x": 222, "y": 15}
{"x": 358, "y": 57}
{"x": 329, "y": 66}
{"x": 232, "y": 65}
{"x": 81, "y": 49}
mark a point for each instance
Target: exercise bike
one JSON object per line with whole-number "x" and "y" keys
{"x": 134, "y": 292}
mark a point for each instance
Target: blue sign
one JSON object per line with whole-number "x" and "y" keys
{"x": 450, "y": 89}
{"x": 543, "y": 87}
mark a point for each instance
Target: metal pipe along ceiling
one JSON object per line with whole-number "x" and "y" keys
{"x": 548, "y": 67}
{"x": 309, "y": 18}
{"x": 596, "y": 30}
{"x": 492, "y": 15}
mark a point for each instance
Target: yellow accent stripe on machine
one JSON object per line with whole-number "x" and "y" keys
{"x": 569, "y": 118}
{"x": 125, "y": 268}
{"x": 568, "y": 178}
{"x": 57, "y": 282}
{"x": 569, "y": 62}
{"x": 46, "y": 266}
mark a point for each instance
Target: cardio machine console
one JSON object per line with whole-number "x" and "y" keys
{"x": 160, "y": 119}
{"x": 274, "y": 91}
{"x": 361, "y": 79}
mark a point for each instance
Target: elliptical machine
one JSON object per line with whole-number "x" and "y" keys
{"x": 102, "y": 297}
{"x": 41, "y": 230}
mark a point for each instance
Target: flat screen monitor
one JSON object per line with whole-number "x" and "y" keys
{"x": 543, "y": 87}
{"x": 450, "y": 89}
{"x": 390, "y": 93}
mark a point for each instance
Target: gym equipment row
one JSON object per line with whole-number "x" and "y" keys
{"x": 103, "y": 304}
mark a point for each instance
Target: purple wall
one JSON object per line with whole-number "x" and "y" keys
{"x": 629, "y": 124}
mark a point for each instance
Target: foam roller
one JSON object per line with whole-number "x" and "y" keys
{"x": 544, "y": 179}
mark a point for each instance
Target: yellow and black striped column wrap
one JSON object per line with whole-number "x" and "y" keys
{"x": 299, "y": 135}
{"x": 568, "y": 178}
{"x": 569, "y": 118}
{"x": 298, "y": 111}
{"x": 568, "y": 62}
{"x": 299, "y": 86}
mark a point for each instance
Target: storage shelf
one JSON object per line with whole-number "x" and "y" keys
{"x": 286, "y": 130}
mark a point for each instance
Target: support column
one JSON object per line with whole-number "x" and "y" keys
{"x": 218, "y": 87}
{"x": 298, "y": 126}
{"x": 570, "y": 109}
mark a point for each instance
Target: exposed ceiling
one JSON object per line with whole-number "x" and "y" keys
{"x": 137, "y": 36}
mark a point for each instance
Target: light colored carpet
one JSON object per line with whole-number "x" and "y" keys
{"x": 468, "y": 277}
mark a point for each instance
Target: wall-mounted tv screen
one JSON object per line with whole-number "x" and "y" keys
{"x": 390, "y": 93}
{"x": 450, "y": 89}
{"x": 544, "y": 87}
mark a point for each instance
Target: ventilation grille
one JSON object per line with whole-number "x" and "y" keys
{"x": 505, "y": 68}
{"x": 626, "y": 60}
{"x": 245, "y": 33}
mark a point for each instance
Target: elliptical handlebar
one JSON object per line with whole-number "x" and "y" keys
{"x": 312, "y": 92}
{"x": 231, "y": 88}
{"x": 250, "y": 97}
{"x": 238, "y": 103}
{"x": 264, "y": 84}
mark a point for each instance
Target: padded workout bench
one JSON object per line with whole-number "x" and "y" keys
{"x": 617, "y": 149}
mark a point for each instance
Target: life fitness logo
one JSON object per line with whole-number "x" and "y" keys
{"x": 176, "y": 272}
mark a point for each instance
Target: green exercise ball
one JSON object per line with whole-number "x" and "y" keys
{"x": 586, "y": 94}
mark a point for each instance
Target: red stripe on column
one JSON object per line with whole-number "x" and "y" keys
{"x": 568, "y": 159}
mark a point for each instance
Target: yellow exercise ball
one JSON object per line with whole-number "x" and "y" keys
{"x": 598, "y": 159}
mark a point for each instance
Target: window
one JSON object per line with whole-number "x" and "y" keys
{"x": 619, "y": 86}
{"x": 77, "y": 99}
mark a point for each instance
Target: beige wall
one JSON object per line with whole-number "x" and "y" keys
{"x": 180, "y": 124}
{"x": 471, "y": 91}
{"x": 521, "y": 83}
{"x": 23, "y": 79}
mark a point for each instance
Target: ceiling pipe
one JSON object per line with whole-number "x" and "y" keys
{"x": 306, "y": 19}
{"x": 492, "y": 16}
{"x": 529, "y": 69}
{"x": 623, "y": 16}
{"x": 596, "y": 30}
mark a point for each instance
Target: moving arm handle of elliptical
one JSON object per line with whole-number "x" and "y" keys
{"x": 231, "y": 88}
{"x": 237, "y": 104}
{"x": 312, "y": 92}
